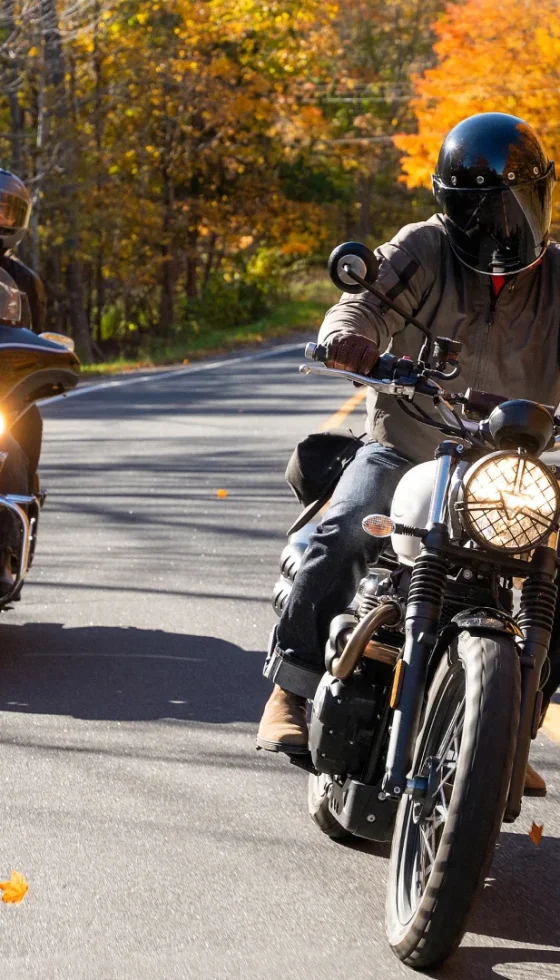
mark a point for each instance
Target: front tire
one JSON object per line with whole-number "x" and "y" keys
{"x": 443, "y": 845}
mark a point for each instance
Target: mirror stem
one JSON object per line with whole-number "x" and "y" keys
{"x": 387, "y": 302}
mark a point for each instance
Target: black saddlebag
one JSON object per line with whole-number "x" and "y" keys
{"x": 315, "y": 467}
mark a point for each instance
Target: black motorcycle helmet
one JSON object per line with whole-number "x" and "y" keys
{"x": 15, "y": 210}
{"x": 494, "y": 184}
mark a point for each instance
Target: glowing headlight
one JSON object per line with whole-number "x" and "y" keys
{"x": 510, "y": 502}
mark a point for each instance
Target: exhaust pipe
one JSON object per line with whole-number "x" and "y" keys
{"x": 386, "y": 614}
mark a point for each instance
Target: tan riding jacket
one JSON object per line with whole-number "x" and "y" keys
{"x": 510, "y": 343}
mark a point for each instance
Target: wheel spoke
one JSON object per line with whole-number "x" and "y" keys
{"x": 445, "y": 779}
{"x": 453, "y": 728}
{"x": 439, "y": 755}
{"x": 427, "y": 845}
{"x": 443, "y": 804}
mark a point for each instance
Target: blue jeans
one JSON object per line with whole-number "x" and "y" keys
{"x": 332, "y": 567}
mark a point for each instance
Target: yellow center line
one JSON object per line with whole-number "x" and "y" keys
{"x": 344, "y": 411}
{"x": 551, "y": 725}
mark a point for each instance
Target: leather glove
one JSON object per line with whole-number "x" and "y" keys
{"x": 352, "y": 352}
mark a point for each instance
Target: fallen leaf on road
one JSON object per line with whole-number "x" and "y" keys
{"x": 15, "y": 889}
{"x": 221, "y": 493}
{"x": 186, "y": 361}
{"x": 535, "y": 833}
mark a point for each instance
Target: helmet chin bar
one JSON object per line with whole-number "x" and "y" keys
{"x": 485, "y": 272}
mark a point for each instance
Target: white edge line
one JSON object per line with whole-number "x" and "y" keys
{"x": 177, "y": 372}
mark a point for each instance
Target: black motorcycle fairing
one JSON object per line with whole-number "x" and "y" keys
{"x": 31, "y": 368}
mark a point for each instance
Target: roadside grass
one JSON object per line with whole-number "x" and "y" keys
{"x": 302, "y": 310}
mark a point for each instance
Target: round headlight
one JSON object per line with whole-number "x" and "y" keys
{"x": 510, "y": 502}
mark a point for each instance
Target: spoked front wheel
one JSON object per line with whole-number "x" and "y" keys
{"x": 444, "y": 839}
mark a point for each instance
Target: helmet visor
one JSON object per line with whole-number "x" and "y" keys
{"x": 14, "y": 212}
{"x": 499, "y": 231}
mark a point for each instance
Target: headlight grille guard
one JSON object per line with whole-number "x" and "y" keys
{"x": 509, "y": 503}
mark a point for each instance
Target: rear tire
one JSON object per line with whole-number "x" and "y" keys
{"x": 318, "y": 805}
{"x": 440, "y": 858}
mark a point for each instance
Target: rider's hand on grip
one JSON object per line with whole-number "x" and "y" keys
{"x": 317, "y": 352}
{"x": 352, "y": 352}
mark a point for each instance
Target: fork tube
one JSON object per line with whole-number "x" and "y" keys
{"x": 536, "y": 619}
{"x": 438, "y": 505}
{"x": 423, "y": 611}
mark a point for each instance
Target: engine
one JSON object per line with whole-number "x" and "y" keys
{"x": 343, "y": 723}
{"x": 346, "y": 713}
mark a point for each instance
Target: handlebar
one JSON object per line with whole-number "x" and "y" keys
{"x": 401, "y": 377}
{"x": 316, "y": 352}
{"x": 391, "y": 375}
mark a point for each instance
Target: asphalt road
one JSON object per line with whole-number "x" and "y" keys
{"x": 156, "y": 841}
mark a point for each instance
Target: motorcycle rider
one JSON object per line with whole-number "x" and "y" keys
{"x": 482, "y": 271}
{"x": 23, "y": 442}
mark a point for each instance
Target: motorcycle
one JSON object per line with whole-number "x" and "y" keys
{"x": 32, "y": 368}
{"x": 421, "y": 726}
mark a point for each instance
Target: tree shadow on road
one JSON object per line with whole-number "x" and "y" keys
{"x": 128, "y": 674}
{"x": 520, "y": 903}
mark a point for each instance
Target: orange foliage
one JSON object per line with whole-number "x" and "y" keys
{"x": 14, "y": 890}
{"x": 492, "y": 58}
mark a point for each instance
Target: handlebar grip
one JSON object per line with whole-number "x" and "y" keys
{"x": 316, "y": 352}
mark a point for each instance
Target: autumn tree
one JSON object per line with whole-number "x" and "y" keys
{"x": 488, "y": 61}
{"x": 184, "y": 156}
{"x": 368, "y": 101}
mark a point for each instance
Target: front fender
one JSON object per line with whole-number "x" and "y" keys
{"x": 485, "y": 619}
{"x": 478, "y": 619}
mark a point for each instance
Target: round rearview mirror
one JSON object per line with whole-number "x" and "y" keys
{"x": 352, "y": 257}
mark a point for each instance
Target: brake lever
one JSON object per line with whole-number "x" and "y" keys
{"x": 434, "y": 373}
{"x": 386, "y": 386}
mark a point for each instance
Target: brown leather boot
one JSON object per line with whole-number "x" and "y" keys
{"x": 283, "y": 726}
{"x": 534, "y": 783}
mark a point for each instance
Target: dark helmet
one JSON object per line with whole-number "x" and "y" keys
{"x": 15, "y": 210}
{"x": 494, "y": 184}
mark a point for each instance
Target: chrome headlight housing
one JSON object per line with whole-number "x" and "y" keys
{"x": 510, "y": 502}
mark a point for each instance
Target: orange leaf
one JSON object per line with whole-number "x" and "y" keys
{"x": 15, "y": 889}
{"x": 535, "y": 833}
{"x": 221, "y": 493}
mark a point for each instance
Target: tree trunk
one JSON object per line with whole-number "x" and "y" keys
{"x": 208, "y": 265}
{"x": 191, "y": 284}
{"x": 99, "y": 295}
{"x": 12, "y": 73}
{"x": 99, "y": 131}
{"x": 38, "y": 177}
{"x": 68, "y": 208}
{"x": 80, "y": 326}
{"x": 166, "y": 308}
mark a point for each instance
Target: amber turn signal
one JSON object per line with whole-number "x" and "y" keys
{"x": 378, "y": 525}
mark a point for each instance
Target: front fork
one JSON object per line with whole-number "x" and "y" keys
{"x": 16, "y": 504}
{"x": 536, "y": 619}
{"x": 425, "y": 600}
{"x": 423, "y": 612}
